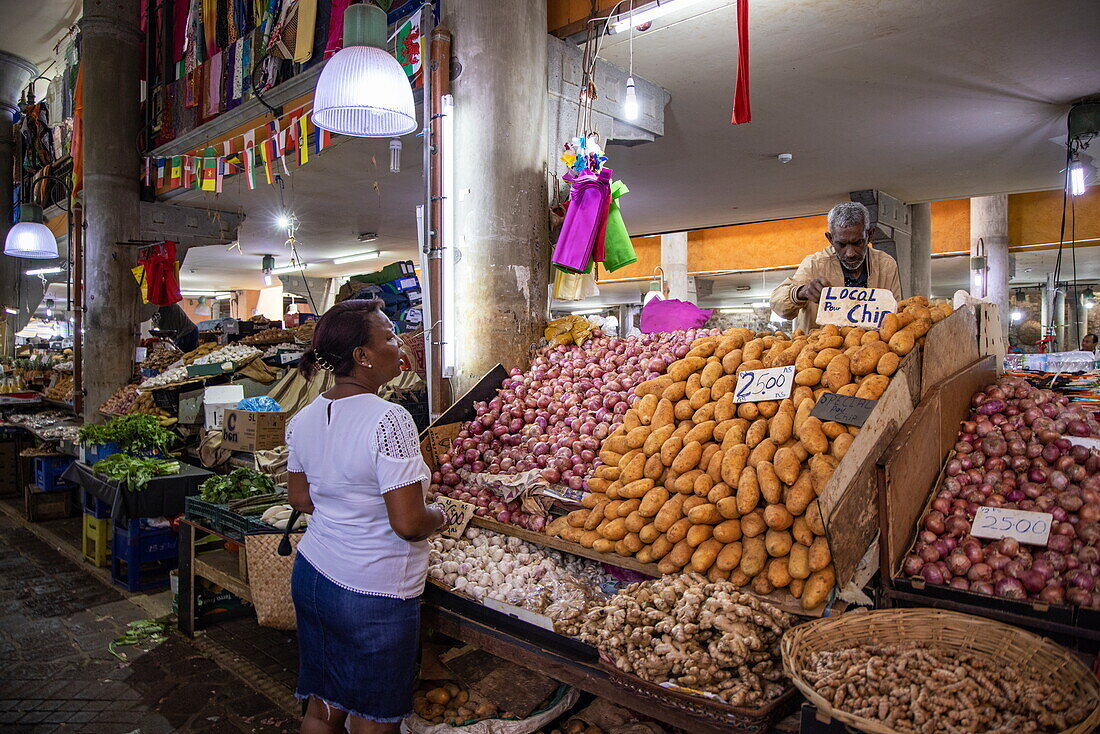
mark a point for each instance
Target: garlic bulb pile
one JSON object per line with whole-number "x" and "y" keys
{"x": 488, "y": 565}
{"x": 231, "y": 353}
{"x": 179, "y": 374}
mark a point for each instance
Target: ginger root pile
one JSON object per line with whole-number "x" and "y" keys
{"x": 694, "y": 481}
{"x": 696, "y": 634}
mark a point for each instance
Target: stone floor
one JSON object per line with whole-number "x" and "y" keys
{"x": 56, "y": 622}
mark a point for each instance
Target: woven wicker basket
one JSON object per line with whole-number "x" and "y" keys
{"x": 1001, "y": 643}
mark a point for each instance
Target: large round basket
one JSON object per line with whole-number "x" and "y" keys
{"x": 1002, "y": 644}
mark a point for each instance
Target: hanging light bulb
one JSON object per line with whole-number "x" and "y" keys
{"x": 362, "y": 90}
{"x": 395, "y": 155}
{"x": 30, "y": 238}
{"x": 49, "y": 308}
{"x": 282, "y": 221}
{"x": 630, "y": 107}
{"x": 1076, "y": 177}
{"x": 268, "y": 264}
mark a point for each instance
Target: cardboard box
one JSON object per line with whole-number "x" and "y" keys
{"x": 216, "y": 400}
{"x": 246, "y": 430}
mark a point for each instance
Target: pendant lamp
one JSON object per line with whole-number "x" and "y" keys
{"x": 362, "y": 90}
{"x": 30, "y": 238}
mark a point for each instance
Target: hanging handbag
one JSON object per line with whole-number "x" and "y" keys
{"x": 270, "y": 558}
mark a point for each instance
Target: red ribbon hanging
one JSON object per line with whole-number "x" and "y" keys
{"x": 742, "y": 110}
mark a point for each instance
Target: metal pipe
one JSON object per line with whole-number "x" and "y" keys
{"x": 440, "y": 55}
{"x": 76, "y": 250}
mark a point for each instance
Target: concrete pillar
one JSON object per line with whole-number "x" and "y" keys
{"x": 15, "y": 72}
{"x": 501, "y": 229}
{"x": 110, "y": 47}
{"x": 674, "y": 261}
{"x": 920, "y": 250}
{"x": 989, "y": 224}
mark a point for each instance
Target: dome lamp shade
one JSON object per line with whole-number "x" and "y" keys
{"x": 362, "y": 90}
{"x": 30, "y": 238}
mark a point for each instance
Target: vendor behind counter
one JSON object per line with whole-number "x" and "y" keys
{"x": 174, "y": 319}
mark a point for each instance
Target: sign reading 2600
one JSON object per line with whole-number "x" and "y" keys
{"x": 773, "y": 383}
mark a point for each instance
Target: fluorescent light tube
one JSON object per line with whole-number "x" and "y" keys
{"x": 288, "y": 269}
{"x": 44, "y": 271}
{"x": 1076, "y": 178}
{"x": 356, "y": 258}
{"x": 649, "y": 13}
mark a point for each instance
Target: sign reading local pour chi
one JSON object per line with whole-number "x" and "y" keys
{"x": 863, "y": 307}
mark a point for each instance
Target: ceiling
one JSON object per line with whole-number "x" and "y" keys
{"x": 32, "y": 29}
{"x": 927, "y": 100}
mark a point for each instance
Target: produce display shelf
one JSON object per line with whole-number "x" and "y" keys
{"x": 501, "y": 638}
{"x": 223, "y": 568}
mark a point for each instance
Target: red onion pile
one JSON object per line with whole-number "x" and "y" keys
{"x": 1014, "y": 452}
{"x": 555, "y": 416}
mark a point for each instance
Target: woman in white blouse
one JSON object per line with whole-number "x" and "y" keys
{"x": 355, "y": 464}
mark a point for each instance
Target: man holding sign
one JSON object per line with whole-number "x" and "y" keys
{"x": 849, "y": 260}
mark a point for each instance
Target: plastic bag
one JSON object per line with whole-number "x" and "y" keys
{"x": 260, "y": 404}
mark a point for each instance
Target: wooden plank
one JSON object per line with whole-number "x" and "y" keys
{"x": 849, "y": 501}
{"x": 221, "y": 568}
{"x": 950, "y": 345}
{"x": 911, "y": 465}
{"x": 186, "y": 599}
{"x": 991, "y": 338}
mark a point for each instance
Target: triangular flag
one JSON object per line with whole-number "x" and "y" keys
{"x": 249, "y": 158}
{"x": 210, "y": 169}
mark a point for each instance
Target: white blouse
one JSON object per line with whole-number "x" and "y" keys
{"x": 353, "y": 450}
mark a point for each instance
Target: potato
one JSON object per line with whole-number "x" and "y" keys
{"x": 630, "y": 421}
{"x": 685, "y": 483}
{"x": 888, "y": 364}
{"x": 653, "y": 501}
{"x": 824, "y": 357}
{"x": 681, "y": 553}
{"x": 679, "y": 530}
{"x": 866, "y": 359}
{"x": 697, "y": 534}
{"x": 888, "y": 327}
{"x": 809, "y": 377}
{"x": 667, "y": 566}
{"x": 802, "y": 413}
{"x": 817, "y": 588}
{"x": 704, "y": 346}
{"x": 670, "y": 512}
{"x": 733, "y": 463}
{"x": 757, "y": 432}
{"x": 821, "y": 470}
{"x": 700, "y": 434}
{"x": 838, "y": 373}
{"x": 723, "y": 386}
{"x": 683, "y": 368}
{"x": 819, "y": 555}
{"x": 588, "y": 537}
{"x": 698, "y": 399}
{"x": 768, "y": 408}
{"x": 675, "y": 392}
{"x": 852, "y": 338}
{"x": 653, "y": 469}
{"x": 732, "y": 361}
{"x": 610, "y": 473}
{"x": 786, "y": 465}
{"x": 660, "y": 547}
{"x": 764, "y": 451}
{"x": 631, "y": 544}
{"x": 902, "y": 343}
{"x": 832, "y": 429}
{"x": 617, "y": 442}
{"x": 725, "y": 408}
{"x": 778, "y": 517}
{"x": 800, "y": 531}
{"x": 873, "y": 386}
{"x": 645, "y": 555}
{"x": 753, "y": 524}
{"x": 799, "y": 495}
{"x": 841, "y": 444}
{"x": 702, "y": 484}
{"x": 729, "y": 557}
{"x": 727, "y": 507}
{"x": 734, "y": 432}
{"x": 777, "y": 573}
{"x": 728, "y": 531}
{"x": 705, "y": 413}
{"x": 748, "y": 411}
{"x": 814, "y": 519}
{"x": 719, "y": 491}
{"x": 670, "y": 450}
{"x": 711, "y": 372}
{"x": 770, "y": 487}
{"x": 705, "y": 514}
{"x": 753, "y": 350}
{"x": 634, "y": 469}
{"x": 609, "y": 457}
{"x": 778, "y": 543}
{"x": 781, "y": 427}
{"x": 649, "y": 533}
{"x": 578, "y": 518}
{"x": 748, "y": 490}
{"x": 805, "y": 359}
{"x": 812, "y": 437}
{"x": 753, "y": 556}
{"x": 849, "y": 389}
{"x": 683, "y": 410}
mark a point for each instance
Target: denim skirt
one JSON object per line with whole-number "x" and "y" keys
{"x": 356, "y": 652}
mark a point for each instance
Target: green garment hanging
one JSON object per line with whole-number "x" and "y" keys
{"x": 618, "y": 250}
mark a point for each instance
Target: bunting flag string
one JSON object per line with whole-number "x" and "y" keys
{"x": 286, "y": 137}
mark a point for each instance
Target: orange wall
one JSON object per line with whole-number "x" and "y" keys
{"x": 560, "y": 13}
{"x": 1033, "y": 218}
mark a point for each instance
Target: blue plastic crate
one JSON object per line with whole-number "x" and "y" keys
{"x": 142, "y": 556}
{"x": 48, "y": 471}
{"x": 98, "y": 452}
{"x": 94, "y": 506}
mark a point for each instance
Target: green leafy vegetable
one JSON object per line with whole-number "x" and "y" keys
{"x": 238, "y": 484}
{"x": 136, "y": 471}
{"x": 135, "y": 434}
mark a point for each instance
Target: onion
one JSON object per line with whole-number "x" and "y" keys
{"x": 1010, "y": 588}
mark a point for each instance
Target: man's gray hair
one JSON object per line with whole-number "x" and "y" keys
{"x": 847, "y": 214}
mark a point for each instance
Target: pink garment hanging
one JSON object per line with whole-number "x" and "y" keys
{"x": 336, "y": 27}
{"x": 585, "y": 220}
{"x": 672, "y": 315}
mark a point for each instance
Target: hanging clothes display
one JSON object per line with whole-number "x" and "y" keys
{"x": 584, "y": 219}
{"x": 161, "y": 274}
{"x": 619, "y": 249}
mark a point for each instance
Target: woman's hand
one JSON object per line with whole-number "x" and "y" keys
{"x": 408, "y": 515}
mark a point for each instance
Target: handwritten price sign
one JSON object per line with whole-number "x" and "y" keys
{"x": 995, "y": 523}
{"x": 773, "y": 383}
{"x": 863, "y": 307}
{"x": 456, "y": 514}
